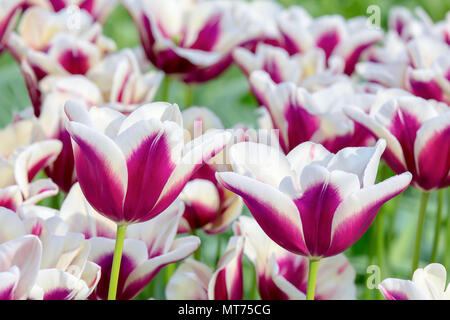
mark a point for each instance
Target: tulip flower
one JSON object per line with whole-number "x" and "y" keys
{"x": 148, "y": 246}
{"x": 194, "y": 280}
{"x": 48, "y": 44}
{"x": 302, "y": 116}
{"x": 208, "y": 205}
{"x": 190, "y": 39}
{"x": 416, "y": 130}
{"x": 306, "y": 69}
{"x": 122, "y": 83}
{"x": 283, "y": 275}
{"x": 19, "y": 266}
{"x": 118, "y": 150}
{"x": 428, "y": 283}
{"x": 63, "y": 270}
{"x": 18, "y": 171}
{"x": 99, "y": 10}
{"x": 311, "y": 202}
{"x": 9, "y": 13}
{"x": 344, "y": 40}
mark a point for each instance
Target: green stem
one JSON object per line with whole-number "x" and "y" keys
{"x": 420, "y": 222}
{"x": 437, "y": 230}
{"x": 219, "y": 246}
{"x": 447, "y": 242}
{"x": 312, "y": 277}
{"x": 166, "y": 86}
{"x": 392, "y": 219}
{"x": 197, "y": 253}
{"x": 170, "y": 269}
{"x": 380, "y": 244}
{"x": 189, "y": 96}
{"x": 115, "y": 269}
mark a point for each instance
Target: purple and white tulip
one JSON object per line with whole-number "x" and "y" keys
{"x": 428, "y": 283}
{"x": 339, "y": 39}
{"x": 148, "y": 247}
{"x": 311, "y": 202}
{"x": 64, "y": 273}
{"x": 9, "y": 13}
{"x": 19, "y": 266}
{"x": 417, "y": 133}
{"x": 143, "y": 153}
{"x": 318, "y": 116}
{"x": 208, "y": 205}
{"x": 122, "y": 83}
{"x": 194, "y": 280}
{"x": 190, "y": 39}
{"x": 283, "y": 275}
{"x": 99, "y": 10}
{"x": 18, "y": 171}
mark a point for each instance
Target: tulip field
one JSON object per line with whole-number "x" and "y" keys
{"x": 224, "y": 150}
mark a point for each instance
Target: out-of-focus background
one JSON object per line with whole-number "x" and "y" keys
{"x": 228, "y": 96}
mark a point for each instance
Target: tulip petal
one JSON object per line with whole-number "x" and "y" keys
{"x": 355, "y": 214}
{"x": 98, "y": 158}
{"x": 432, "y": 139}
{"x": 273, "y": 210}
{"x": 143, "y": 274}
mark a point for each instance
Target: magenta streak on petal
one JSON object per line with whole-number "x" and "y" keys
{"x": 301, "y": 125}
{"x": 393, "y": 295}
{"x": 434, "y": 162}
{"x": 4, "y": 24}
{"x": 39, "y": 72}
{"x": 237, "y": 283}
{"x": 127, "y": 266}
{"x": 220, "y": 286}
{"x": 208, "y": 35}
{"x": 31, "y": 82}
{"x": 58, "y": 294}
{"x": 7, "y": 293}
{"x": 99, "y": 184}
{"x": 271, "y": 67}
{"x": 58, "y": 4}
{"x": 399, "y": 26}
{"x": 353, "y": 57}
{"x": 426, "y": 90}
{"x": 149, "y": 168}
{"x": 295, "y": 270}
{"x": 198, "y": 75}
{"x": 74, "y": 61}
{"x": 88, "y": 5}
{"x": 290, "y": 46}
{"x": 317, "y": 206}
{"x": 349, "y": 231}
{"x": 170, "y": 195}
{"x": 404, "y": 126}
{"x": 198, "y": 215}
{"x": 280, "y": 230}
{"x": 327, "y": 41}
{"x": 62, "y": 170}
{"x": 135, "y": 287}
{"x": 447, "y": 74}
{"x": 268, "y": 290}
{"x": 37, "y": 229}
{"x": 38, "y": 166}
{"x": 122, "y": 89}
{"x": 8, "y": 202}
